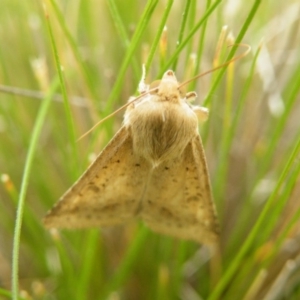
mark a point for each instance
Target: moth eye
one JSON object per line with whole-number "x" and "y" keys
{"x": 191, "y": 96}
{"x": 153, "y": 85}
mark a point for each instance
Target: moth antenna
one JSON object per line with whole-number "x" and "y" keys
{"x": 115, "y": 112}
{"x": 220, "y": 66}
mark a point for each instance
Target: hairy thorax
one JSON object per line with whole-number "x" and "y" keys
{"x": 161, "y": 127}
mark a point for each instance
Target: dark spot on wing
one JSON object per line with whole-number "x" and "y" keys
{"x": 94, "y": 188}
{"x": 192, "y": 199}
{"x": 75, "y": 209}
{"x": 109, "y": 207}
{"x": 137, "y": 165}
{"x": 166, "y": 168}
{"x": 166, "y": 213}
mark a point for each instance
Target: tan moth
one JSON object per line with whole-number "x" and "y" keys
{"x": 154, "y": 168}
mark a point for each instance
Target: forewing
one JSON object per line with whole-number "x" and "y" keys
{"x": 107, "y": 193}
{"x": 178, "y": 201}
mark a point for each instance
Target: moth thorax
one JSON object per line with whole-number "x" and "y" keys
{"x": 162, "y": 131}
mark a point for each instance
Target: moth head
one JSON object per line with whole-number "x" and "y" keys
{"x": 169, "y": 75}
{"x": 168, "y": 85}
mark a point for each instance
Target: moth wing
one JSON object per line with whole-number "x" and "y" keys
{"x": 178, "y": 201}
{"x": 107, "y": 193}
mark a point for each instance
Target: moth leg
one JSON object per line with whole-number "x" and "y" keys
{"x": 201, "y": 112}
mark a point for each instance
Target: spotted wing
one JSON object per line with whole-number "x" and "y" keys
{"x": 107, "y": 193}
{"x": 178, "y": 200}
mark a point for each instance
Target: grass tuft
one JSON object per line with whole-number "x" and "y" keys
{"x": 63, "y": 72}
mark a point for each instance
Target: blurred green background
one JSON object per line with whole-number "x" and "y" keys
{"x": 251, "y": 139}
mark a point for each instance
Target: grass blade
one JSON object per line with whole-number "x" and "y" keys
{"x": 25, "y": 180}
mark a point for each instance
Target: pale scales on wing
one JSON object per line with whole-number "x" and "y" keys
{"x": 96, "y": 199}
{"x": 154, "y": 167}
{"x": 186, "y": 210}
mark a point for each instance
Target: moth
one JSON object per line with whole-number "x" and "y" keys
{"x": 154, "y": 168}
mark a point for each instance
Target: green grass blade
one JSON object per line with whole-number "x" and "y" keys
{"x": 280, "y": 203}
{"x": 8, "y": 295}
{"x": 235, "y": 264}
{"x": 124, "y": 269}
{"x": 130, "y": 53}
{"x": 291, "y": 98}
{"x": 227, "y": 137}
{"x": 201, "y": 47}
{"x": 75, "y": 49}
{"x": 182, "y": 28}
{"x": 272, "y": 146}
{"x": 123, "y": 34}
{"x": 25, "y": 180}
{"x": 238, "y": 40}
{"x": 190, "y": 35}
{"x": 277, "y": 212}
{"x": 88, "y": 257}
{"x": 70, "y": 123}
{"x": 158, "y": 34}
